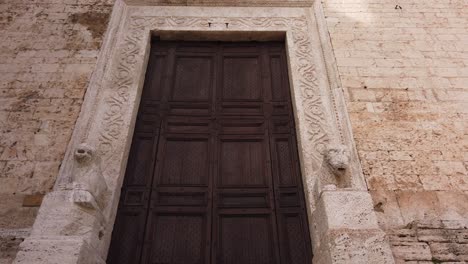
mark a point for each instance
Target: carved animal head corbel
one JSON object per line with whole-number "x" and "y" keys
{"x": 89, "y": 185}
{"x": 84, "y": 153}
{"x": 337, "y": 157}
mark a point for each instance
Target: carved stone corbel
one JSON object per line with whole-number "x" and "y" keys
{"x": 337, "y": 157}
{"x": 333, "y": 173}
{"x": 89, "y": 185}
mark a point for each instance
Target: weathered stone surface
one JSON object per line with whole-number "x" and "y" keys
{"x": 8, "y": 248}
{"x": 61, "y": 218}
{"x": 9, "y": 242}
{"x": 15, "y": 222}
{"x": 386, "y": 208}
{"x": 403, "y": 67}
{"x": 48, "y": 50}
{"x": 345, "y": 230}
{"x": 418, "y": 206}
{"x": 354, "y": 246}
{"x": 453, "y": 205}
{"x": 405, "y": 73}
{"x": 13, "y": 214}
{"x": 345, "y": 210}
{"x": 57, "y": 251}
{"x": 412, "y": 251}
{"x": 449, "y": 251}
{"x": 430, "y": 241}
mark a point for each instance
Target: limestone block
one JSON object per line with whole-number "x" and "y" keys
{"x": 56, "y": 251}
{"x": 438, "y": 235}
{"x": 453, "y": 205}
{"x": 449, "y": 251}
{"x": 354, "y": 246}
{"x": 341, "y": 210}
{"x": 418, "y": 206}
{"x": 441, "y": 224}
{"x": 412, "y": 251}
{"x": 10, "y": 240}
{"x": 346, "y": 210}
{"x": 13, "y": 214}
{"x": 402, "y": 235}
{"x": 386, "y": 208}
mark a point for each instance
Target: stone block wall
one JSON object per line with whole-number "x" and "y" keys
{"x": 404, "y": 69}
{"x": 48, "y": 50}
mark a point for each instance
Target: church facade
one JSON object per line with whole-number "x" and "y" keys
{"x": 298, "y": 131}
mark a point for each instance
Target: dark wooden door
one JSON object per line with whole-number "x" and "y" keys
{"x": 213, "y": 174}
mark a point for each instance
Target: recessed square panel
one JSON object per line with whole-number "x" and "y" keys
{"x": 241, "y": 78}
{"x": 192, "y": 79}
{"x": 185, "y": 162}
{"x": 294, "y": 238}
{"x": 242, "y": 163}
{"x": 129, "y": 232}
{"x": 178, "y": 239}
{"x": 245, "y": 239}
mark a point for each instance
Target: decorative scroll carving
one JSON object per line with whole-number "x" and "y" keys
{"x": 89, "y": 184}
{"x": 131, "y": 51}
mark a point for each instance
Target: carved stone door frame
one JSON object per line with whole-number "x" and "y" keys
{"x": 75, "y": 221}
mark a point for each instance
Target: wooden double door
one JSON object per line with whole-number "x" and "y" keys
{"x": 213, "y": 174}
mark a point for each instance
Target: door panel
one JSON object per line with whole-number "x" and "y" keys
{"x": 246, "y": 238}
{"x": 176, "y": 237}
{"x": 213, "y": 174}
{"x": 293, "y": 236}
{"x": 242, "y": 163}
{"x": 187, "y": 70}
{"x": 127, "y": 235}
{"x": 241, "y": 78}
{"x": 188, "y": 169}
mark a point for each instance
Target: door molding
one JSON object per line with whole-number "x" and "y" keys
{"x": 78, "y": 221}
